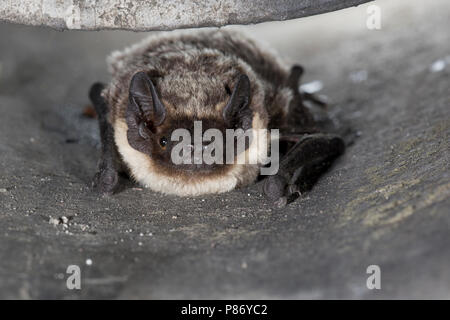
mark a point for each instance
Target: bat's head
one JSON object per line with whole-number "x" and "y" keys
{"x": 181, "y": 141}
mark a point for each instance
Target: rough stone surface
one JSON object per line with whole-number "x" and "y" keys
{"x": 159, "y": 14}
{"x": 385, "y": 202}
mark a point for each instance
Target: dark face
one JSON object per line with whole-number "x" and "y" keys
{"x": 167, "y": 147}
{"x": 171, "y": 140}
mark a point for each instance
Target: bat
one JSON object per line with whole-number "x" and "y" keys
{"x": 225, "y": 81}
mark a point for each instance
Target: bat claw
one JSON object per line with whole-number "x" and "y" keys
{"x": 104, "y": 182}
{"x": 281, "y": 203}
{"x": 292, "y": 189}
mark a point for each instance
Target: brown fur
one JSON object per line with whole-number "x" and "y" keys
{"x": 193, "y": 72}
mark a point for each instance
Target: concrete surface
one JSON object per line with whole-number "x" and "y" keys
{"x": 385, "y": 202}
{"x": 144, "y": 15}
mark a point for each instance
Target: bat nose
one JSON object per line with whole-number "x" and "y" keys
{"x": 194, "y": 161}
{"x": 196, "y": 157}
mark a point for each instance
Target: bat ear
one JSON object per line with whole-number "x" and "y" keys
{"x": 145, "y": 111}
{"x": 237, "y": 112}
{"x": 143, "y": 97}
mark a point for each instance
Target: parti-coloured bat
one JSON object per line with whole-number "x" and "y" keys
{"x": 225, "y": 81}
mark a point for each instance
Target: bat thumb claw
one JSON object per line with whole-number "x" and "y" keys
{"x": 281, "y": 203}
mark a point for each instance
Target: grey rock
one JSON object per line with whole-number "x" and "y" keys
{"x": 385, "y": 202}
{"x": 147, "y": 15}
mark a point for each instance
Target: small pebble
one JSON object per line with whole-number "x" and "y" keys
{"x": 438, "y": 66}
{"x": 53, "y": 221}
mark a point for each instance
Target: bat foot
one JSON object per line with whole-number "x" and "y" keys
{"x": 301, "y": 166}
{"x": 105, "y": 182}
{"x": 278, "y": 191}
{"x": 274, "y": 187}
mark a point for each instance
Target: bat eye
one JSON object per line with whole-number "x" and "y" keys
{"x": 163, "y": 142}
